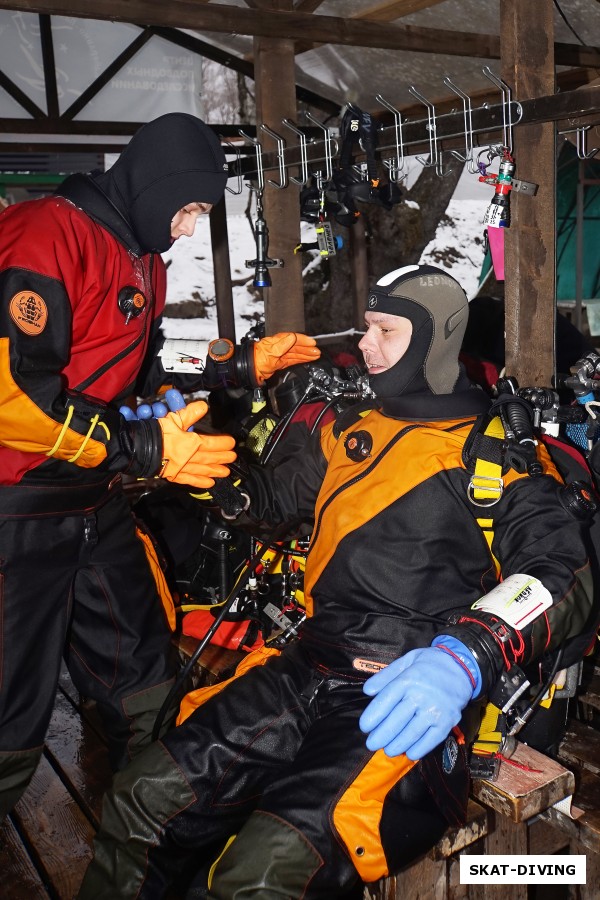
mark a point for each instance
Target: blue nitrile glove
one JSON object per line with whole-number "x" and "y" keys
{"x": 158, "y": 410}
{"x": 418, "y": 699}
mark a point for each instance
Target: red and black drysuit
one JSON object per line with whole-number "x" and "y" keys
{"x": 74, "y": 576}
{"x": 276, "y": 756}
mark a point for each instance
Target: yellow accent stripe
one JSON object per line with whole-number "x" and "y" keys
{"x": 26, "y": 428}
{"x": 211, "y": 871}
{"x": 162, "y": 587}
{"x": 63, "y": 431}
{"x": 357, "y": 813}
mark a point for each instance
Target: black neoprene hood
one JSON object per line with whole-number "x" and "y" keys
{"x": 172, "y": 161}
{"x": 438, "y": 308}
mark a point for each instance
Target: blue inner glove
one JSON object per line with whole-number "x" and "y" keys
{"x": 419, "y": 698}
{"x": 158, "y": 410}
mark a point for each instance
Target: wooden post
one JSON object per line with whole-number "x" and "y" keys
{"x": 219, "y": 239}
{"x": 275, "y": 100}
{"x": 359, "y": 272}
{"x": 527, "y": 52}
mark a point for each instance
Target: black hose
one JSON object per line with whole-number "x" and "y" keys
{"x": 244, "y": 578}
{"x": 522, "y": 720}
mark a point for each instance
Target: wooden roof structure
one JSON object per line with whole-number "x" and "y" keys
{"x": 545, "y": 57}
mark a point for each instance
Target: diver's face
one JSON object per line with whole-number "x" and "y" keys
{"x": 386, "y": 341}
{"x": 184, "y": 220}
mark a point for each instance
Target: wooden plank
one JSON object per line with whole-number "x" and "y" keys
{"x": 581, "y": 747}
{"x": 520, "y": 793}
{"x": 543, "y": 838}
{"x": 457, "y": 838}
{"x": 585, "y": 829}
{"x": 425, "y": 880}
{"x": 504, "y": 837}
{"x": 56, "y": 830}
{"x": 74, "y": 749}
{"x": 215, "y": 663}
{"x": 20, "y": 880}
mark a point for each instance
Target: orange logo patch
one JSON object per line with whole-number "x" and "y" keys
{"x": 29, "y": 312}
{"x": 139, "y": 300}
{"x": 368, "y": 665}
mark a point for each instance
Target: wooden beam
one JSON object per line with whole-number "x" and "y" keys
{"x": 219, "y": 239}
{"x": 271, "y": 23}
{"x": 49, "y": 66}
{"x": 22, "y": 99}
{"x": 292, "y": 25}
{"x": 387, "y": 12}
{"x": 529, "y": 244}
{"x": 307, "y": 6}
{"x": 275, "y": 100}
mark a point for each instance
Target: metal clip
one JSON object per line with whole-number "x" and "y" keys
{"x": 494, "y": 486}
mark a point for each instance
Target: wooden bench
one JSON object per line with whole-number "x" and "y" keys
{"x": 497, "y": 817}
{"x": 45, "y": 844}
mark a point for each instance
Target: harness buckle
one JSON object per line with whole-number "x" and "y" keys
{"x": 492, "y": 485}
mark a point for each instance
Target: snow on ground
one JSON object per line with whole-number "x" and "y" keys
{"x": 456, "y": 247}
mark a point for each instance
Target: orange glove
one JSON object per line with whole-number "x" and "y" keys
{"x": 191, "y": 458}
{"x": 282, "y": 350}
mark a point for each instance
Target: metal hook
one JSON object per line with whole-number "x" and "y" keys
{"x": 439, "y": 166}
{"x": 327, "y": 141}
{"x": 582, "y": 150}
{"x": 303, "y": 156}
{"x": 468, "y": 124}
{"x": 260, "y": 176}
{"x": 240, "y": 182}
{"x": 507, "y": 123}
{"x": 396, "y": 168}
{"x": 282, "y": 183}
{"x": 431, "y": 128}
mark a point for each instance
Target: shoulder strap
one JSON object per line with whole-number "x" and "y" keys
{"x": 487, "y": 485}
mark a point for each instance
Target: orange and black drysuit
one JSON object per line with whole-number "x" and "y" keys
{"x": 82, "y": 289}
{"x": 276, "y": 756}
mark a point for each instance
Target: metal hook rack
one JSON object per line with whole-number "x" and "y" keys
{"x": 328, "y": 144}
{"x": 467, "y": 158}
{"x": 395, "y": 168}
{"x": 582, "y": 150}
{"x": 435, "y": 157}
{"x": 507, "y": 122}
{"x": 260, "y": 175}
{"x": 237, "y": 167}
{"x": 316, "y": 155}
{"x": 283, "y": 181}
{"x": 289, "y": 123}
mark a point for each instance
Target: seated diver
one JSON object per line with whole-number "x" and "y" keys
{"x": 408, "y": 630}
